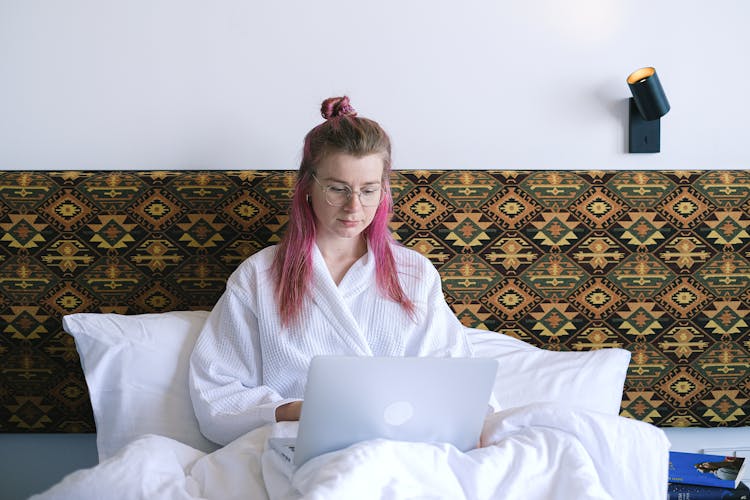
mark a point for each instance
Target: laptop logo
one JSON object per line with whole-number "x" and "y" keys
{"x": 398, "y": 413}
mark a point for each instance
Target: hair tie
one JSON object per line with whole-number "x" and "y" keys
{"x": 337, "y": 106}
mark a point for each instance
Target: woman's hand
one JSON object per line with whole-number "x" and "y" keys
{"x": 289, "y": 412}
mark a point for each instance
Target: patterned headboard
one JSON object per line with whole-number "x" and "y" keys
{"x": 655, "y": 262}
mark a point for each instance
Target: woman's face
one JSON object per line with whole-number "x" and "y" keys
{"x": 336, "y": 173}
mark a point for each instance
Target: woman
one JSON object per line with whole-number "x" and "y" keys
{"x": 336, "y": 284}
{"x": 726, "y": 469}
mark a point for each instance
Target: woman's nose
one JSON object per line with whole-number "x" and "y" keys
{"x": 353, "y": 201}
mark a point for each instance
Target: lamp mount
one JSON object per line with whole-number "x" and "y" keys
{"x": 643, "y": 135}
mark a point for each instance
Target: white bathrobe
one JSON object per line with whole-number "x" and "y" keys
{"x": 245, "y": 364}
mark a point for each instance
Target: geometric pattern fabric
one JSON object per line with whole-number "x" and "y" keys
{"x": 655, "y": 262}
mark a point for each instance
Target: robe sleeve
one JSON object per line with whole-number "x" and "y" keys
{"x": 442, "y": 333}
{"x": 226, "y": 371}
{"x": 439, "y": 331}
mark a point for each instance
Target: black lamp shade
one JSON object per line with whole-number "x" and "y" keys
{"x": 648, "y": 93}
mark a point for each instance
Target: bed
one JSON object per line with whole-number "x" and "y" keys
{"x": 613, "y": 302}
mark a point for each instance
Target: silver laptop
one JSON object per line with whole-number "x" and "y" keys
{"x": 353, "y": 399}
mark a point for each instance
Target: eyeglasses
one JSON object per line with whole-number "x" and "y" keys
{"x": 338, "y": 195}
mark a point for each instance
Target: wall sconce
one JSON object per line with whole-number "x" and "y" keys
{"x": 647, "y": 105}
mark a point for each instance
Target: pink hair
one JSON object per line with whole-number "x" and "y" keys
{"x": 342, "y": 132}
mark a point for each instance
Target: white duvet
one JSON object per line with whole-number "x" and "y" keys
{"x": 541, "y": 451}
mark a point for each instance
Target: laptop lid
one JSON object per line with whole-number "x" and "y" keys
{"x": 352, "y": 399}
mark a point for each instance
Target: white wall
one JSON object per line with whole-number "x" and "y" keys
{"x": 162, "y": 84}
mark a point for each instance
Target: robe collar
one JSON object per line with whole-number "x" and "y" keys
{"x": 331, "y": 298}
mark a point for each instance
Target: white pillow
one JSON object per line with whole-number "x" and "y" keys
{"x": 593, "y": 380}
{"x": 136, "y": 369}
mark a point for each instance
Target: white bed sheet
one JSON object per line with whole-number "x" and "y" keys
{"x": 541, "y": 451}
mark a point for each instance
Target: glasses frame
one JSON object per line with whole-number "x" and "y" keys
{"x": 350, "y": 193}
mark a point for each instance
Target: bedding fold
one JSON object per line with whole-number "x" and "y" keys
{"x": 541, "y": 451}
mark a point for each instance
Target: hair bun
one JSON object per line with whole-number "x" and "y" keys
{"x": 337, "y": 106}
